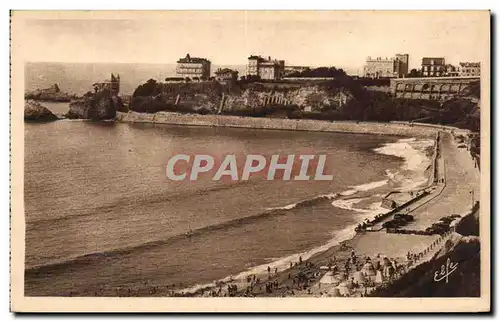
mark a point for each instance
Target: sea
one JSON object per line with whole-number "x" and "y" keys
{"x": 102, "y": 216}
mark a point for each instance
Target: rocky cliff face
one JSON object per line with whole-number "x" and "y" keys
{"x": 95, "y": 106}
{"x": 306, "y": 98}
{"x": 35, "y": 112}
{"x": 51, "y": 94}
{"x": 171, "y": 97}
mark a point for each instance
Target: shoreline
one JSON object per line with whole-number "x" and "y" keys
{"x": 393, "y": 128}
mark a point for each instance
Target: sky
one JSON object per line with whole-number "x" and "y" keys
{"x": 343, "y": 39}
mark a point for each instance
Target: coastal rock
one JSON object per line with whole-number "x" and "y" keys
{"x": 51, "y": 94}
{"x": 34, "y": 111}
{"x": 95, "y": 106}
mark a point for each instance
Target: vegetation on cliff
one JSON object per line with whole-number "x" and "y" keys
{"x": 319, "y": 72}
{"x": 35, "y": 112}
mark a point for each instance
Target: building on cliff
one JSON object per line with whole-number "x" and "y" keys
{"x": 451, "y": 71}
{"x": 294, "y": 69}
{"x": 193, "y": 67}
{"x": 226, "y": 75}
{"x": 379, "y": 67}
{"x": 265, "y": 68}
{"x": 433, "y": 66}
{"x": 112, "y": 85}
{"x": 469, "y": 69}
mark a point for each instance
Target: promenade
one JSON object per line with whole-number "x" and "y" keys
{"x": 460, "y": 189}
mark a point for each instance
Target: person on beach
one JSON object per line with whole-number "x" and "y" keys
{"x": 269, "y": 269}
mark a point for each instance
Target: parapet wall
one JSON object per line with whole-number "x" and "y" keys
{"x": 399, "y": 129}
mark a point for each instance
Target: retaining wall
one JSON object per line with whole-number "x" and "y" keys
{"x": 400, "y": 129}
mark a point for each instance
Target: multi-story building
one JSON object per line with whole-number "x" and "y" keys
{"x": 386, "y": 67}
{"x": 401, "y": 64}
{"x": 193, "y": 67}
{"x": 451, "y": 71}
{"x": 469, "y": 69}
{"x": 433, "y": 66}
{"x": 112, "y": 85}
{"x": 265, "y": 68}
{"x": 226, "y": 75}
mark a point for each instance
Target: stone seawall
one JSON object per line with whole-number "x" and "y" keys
{"x": 399, "y": 129}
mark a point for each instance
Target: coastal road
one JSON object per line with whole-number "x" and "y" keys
{"x": 461, "y": 189}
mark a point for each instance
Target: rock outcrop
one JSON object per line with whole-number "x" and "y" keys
{"x": 153, "y": 97}
{"x": 95, "y": 106}
{"x": 35, "y": 112}
{"x": 51, "y": 94}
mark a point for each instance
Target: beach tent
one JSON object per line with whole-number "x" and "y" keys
{"x": 379, "y": 278}
{"x": 336, "y": 292}
{"x": 359, "y": 277}
{"x": 328, "y": 278}
{"x": 345, "y": 287}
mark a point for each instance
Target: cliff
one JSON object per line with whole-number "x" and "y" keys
{"x": 35, "y": 112}
{"x": 212, "y": 96}
{"x": 339, "y": 99}
{"x": 95, "y": 106}
{"x": 51, "y": 94}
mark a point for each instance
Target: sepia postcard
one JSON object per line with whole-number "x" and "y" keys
{"x": 250, "y": 161}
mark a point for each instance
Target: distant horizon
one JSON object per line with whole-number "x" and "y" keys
{"x": 346, "y": 69}
{"x": 343, "y": 39}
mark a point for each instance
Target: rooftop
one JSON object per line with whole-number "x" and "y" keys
{"x": 189, "y": 59}
{"x": 433, "y": 60}
{"x": 469, "y": 64}
{"x": 265, "y": 60}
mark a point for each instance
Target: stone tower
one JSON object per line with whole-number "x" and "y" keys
{"x": 115, "y": 84}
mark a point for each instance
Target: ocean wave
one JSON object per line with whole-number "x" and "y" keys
{"x": 307, "y": 202}
{"x": 89, "y": 258}
{"x": 370, "y": 185}
{"x": 371, "y": 211}
{"x": 411, "y": 150}
{"x": 416, "y": 161}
